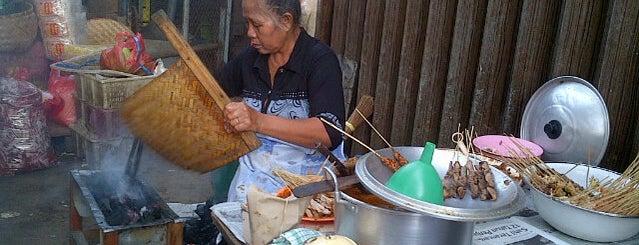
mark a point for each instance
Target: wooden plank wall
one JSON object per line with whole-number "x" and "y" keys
{"x": 434, "y": 66}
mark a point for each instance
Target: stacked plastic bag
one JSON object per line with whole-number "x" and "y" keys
{"x": 62, "y": 23}
{"x": 24, "y": 142}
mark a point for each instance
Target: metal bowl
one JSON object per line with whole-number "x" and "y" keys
{"x": 374, "y": 175}
{"x": 580, "y": 222}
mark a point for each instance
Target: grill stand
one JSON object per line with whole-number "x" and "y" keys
{"x": 82, "y": 218}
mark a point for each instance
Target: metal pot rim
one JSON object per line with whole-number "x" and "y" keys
{"x": 351, "y": 200}
{"x": 504, "y": 208}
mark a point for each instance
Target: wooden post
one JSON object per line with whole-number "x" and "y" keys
{"x": 409, "y": 72}
{"x": 324, "y": 21}
{"x": 494, "y": 58}
{"x": 75, "y": 220}
{"x": 338, "y": 29}
{"x": 109, "y": 238}
{"x": 462, "y": 70}
{"x": 435, "y": 59}
{"x": 368, "y": 63}
{"x": 616, "y": 79}
{"x": 352, "y": 52}
{"x": 390, "y": 54}
{"x": 577, "y": 37}
{"x": 537, "y": 28}
{"x": 175, "y": 235}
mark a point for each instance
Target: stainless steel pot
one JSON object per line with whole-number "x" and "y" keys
{"x": 414, "y": 221}
{"x": 368, "y": 224}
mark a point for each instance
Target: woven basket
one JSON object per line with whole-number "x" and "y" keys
{"x": 176, "y": 116}
{"x": 102, "y": 31}
{"x": 17, "y": 31}
{"x": 100, "y": 35}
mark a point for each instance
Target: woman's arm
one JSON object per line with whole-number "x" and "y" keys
{"x": 303, "y": 132}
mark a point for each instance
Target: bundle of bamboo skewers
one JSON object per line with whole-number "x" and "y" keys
{"x": 618, "y": 196}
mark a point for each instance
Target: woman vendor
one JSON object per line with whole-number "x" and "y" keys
{"x": 287, "y": 80}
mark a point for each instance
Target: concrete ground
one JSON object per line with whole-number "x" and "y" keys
{"x": 34, "y": 206}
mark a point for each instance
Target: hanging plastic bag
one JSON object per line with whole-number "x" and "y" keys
{"x": 128, "y": 55}
{"x": 52, "y": 104}
{"x": 61, "y": 108}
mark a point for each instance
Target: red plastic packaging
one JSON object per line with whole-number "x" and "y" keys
{"x": 61, "y": 109}
{"x": 128, "y": 55}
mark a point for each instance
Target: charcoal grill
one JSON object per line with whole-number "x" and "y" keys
{"x": 105, "y": 197}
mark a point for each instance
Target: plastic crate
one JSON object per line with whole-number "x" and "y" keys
{"x": 108, "y": 92}
{"x": 80, "y": 111}
{"x": 106, "y": 89}
{"x": 103, "y": 124}
{"x": 101, "y": 154}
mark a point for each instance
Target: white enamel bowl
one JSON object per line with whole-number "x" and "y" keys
{"x": 579, "y": 222}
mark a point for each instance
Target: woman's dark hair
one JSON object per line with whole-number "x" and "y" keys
{"x": 283, "y": 6}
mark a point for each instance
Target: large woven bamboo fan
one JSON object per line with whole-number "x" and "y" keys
{"x": 179, "y": 113}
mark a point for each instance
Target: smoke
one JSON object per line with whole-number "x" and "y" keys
{"x": 113, "y": 160}
{"x": 123, "y": 199}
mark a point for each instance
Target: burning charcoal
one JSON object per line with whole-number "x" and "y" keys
{"x": 133, "y": 216}
{"x": 105, "y": 204}
{"x": 126, "y": 204}
{"x": 150, "y": 214}
{"x": 118, "y": 214}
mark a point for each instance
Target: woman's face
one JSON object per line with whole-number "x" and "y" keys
{"x": 265, "y": 34}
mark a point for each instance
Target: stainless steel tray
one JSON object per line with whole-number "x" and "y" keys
{"x": 374, "y": 175}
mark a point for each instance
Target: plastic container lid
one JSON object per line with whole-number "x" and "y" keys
{"x": 568, "y": 118}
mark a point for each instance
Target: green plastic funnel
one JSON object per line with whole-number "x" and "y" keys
{"x": 419, "y": 179}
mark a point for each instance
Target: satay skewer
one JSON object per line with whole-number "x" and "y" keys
{"x": 385, "y": 160}
{"x": 401, "y": 160}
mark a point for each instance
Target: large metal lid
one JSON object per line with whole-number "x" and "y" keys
{"x": 568, "y": 118}
{"x": 374, "y": 175}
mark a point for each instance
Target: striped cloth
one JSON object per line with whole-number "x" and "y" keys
{"x": 295, "y": 236}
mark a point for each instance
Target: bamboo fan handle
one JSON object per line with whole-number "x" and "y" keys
{"x": 190, "y": 58}
{"x": 198, "y": 68}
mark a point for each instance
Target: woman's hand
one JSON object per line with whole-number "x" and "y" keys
{"x": 240, "y": 117}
